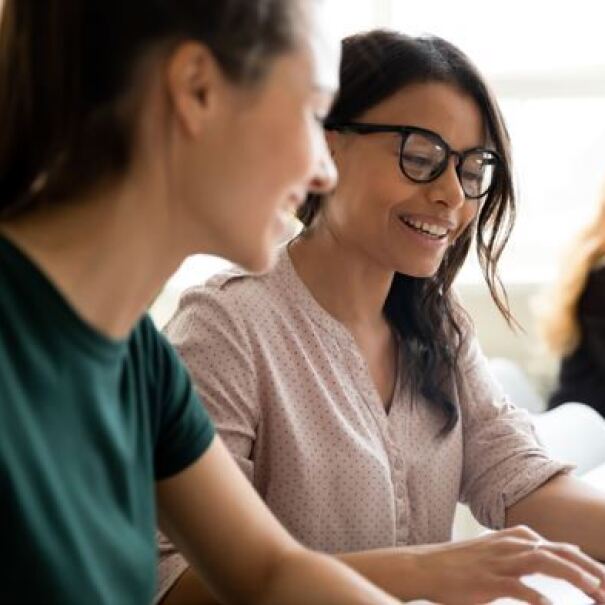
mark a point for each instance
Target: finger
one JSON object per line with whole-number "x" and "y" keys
{"x": 511, "y": 544}
{"x": 522, "y": 537}
{"x": 524, "y": 532}
{"x": 545, "y": 562}
{"x": 575, "y": 555}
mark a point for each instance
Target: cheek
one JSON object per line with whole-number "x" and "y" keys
{"x": 307, "y": 145}
{"x": 285, "y": 165}
{"x": 361, "y": 202}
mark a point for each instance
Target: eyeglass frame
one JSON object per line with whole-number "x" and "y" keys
{"x": 363, "y": 128}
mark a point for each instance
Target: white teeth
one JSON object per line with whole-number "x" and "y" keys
{"x": 434, "y": 230}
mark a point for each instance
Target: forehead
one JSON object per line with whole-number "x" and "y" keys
{"x": 442, "y": 108}
{"x": 323, "y": 46}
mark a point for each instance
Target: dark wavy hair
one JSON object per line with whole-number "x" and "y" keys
{"x": 376, "y": 65}
{"x": 67, "y": 67}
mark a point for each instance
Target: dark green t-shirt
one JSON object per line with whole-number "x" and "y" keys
{"x": 87, "y": 425}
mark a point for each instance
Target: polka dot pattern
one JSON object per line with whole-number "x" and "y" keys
{"x": 293, "y": 399}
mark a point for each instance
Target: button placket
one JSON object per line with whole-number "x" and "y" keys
{"x": 391, "y": 438}
{"x": 398, "y": 473}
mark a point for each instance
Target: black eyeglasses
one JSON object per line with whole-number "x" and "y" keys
{"x": 424, "y": 156}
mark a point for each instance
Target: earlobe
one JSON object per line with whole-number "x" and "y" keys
{"x": 191, "y": 76}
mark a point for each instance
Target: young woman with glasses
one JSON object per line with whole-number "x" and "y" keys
{"x": 348, "y": 382}
{"x": 134, "y": 134}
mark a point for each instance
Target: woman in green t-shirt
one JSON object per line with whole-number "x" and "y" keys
{"x": 133, "y": 135}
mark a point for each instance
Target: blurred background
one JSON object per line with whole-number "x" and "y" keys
{"x": 546, "y": 62}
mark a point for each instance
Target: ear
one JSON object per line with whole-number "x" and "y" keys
{"x": 194, "y": 81}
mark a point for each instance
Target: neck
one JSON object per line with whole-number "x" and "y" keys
{"x": 109, "y": 255}
{"x": 351, "y": 286}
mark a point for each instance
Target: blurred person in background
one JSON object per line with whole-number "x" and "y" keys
{"x": 573, "y": 318}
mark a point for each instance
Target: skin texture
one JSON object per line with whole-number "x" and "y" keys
{"x": 214, "y": 163}
{"x": 358, "y": 228}
{"x": 566, "y": 509}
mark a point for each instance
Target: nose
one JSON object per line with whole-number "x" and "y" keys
{"x": 325, "y": 175}
{"x": 447, "y": 189}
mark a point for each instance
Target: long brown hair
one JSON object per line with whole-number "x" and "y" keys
{"x": 376, "y": 65}
{"x": 65, "y": 73}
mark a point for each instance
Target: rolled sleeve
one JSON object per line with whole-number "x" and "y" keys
{"x": 503, "y": 458}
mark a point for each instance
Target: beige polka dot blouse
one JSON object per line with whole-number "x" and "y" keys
{"x": 292, "y": 398}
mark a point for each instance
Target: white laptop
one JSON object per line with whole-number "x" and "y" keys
{"x": 557, "y": 591}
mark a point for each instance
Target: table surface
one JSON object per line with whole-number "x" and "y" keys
{"x": 559, "y": 592}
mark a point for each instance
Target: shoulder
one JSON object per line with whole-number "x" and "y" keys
{"x": 149, "y": 349}
{"x": 233, "y": 301}
{"x": 236, "y": 290}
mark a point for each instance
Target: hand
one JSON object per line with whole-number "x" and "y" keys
{"x": 491, "y": 567}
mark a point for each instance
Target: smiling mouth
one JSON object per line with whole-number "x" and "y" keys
{"x": 429, "y": 230}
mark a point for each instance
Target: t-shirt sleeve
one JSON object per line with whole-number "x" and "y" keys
{"x": 183, "y": 430}
{"x": 503, "y": 459}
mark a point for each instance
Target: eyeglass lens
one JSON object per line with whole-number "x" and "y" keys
{"x": 424, "y": 159}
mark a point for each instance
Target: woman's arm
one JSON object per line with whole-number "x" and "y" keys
{"x": 565, "y": 508}
{"x": 460, "y": 573}
{"x": 218, "y": 521}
